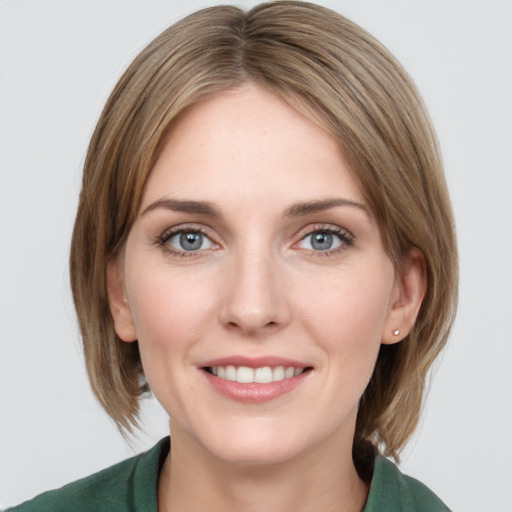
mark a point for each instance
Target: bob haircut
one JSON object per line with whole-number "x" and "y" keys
{"x": 335, "y": 74}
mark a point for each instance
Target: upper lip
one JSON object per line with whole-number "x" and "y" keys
{"x": 253, "y": 362}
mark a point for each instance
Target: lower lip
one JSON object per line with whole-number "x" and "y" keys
{"x": 254, "y": 393}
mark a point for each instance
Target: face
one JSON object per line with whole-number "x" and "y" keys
{"x": 256, "y": 282}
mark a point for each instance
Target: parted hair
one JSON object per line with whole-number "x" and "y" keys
{"x": 332, "y": 72}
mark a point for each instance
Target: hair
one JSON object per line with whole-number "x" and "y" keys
{"x": 337, "y": 75}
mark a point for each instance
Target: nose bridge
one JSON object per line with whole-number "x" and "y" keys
{"x": 255, "y": 297}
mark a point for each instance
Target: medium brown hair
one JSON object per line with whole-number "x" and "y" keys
{"x": 334, "y": 73}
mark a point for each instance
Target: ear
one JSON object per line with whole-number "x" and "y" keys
{"x": 119, "y": 308}
{"x": 408, "y": 292}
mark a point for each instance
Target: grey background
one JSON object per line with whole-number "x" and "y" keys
{"x": 58, "y": 63}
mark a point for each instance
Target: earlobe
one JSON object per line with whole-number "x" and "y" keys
{"x": 409, "y": 290}
{"x": 119, "y": 307}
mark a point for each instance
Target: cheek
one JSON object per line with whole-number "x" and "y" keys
{"x": 169, "y": 309}
{"x": 347, "y": 314}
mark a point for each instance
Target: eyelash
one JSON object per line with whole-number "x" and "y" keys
{"x": 168, "y": 234}
{"x": 345, "y": 237}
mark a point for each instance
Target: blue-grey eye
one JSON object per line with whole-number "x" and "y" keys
{"x": 321, "y": 241}
{"x": 190, "y": 241}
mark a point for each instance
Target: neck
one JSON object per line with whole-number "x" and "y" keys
{"x": 194, "y": 479}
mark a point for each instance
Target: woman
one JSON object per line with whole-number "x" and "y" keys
{"x": 264, "y": 238}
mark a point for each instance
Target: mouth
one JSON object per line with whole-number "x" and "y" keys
{"x": 255, "y": 380}
{"x": 260, "y": 375}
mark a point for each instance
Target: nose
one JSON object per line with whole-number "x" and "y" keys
{"x": 254, "y": 295}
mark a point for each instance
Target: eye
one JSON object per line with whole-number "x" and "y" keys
{"x": 182, "y": 241}
{"x": 325, "y": 240}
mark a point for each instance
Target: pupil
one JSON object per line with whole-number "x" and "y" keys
{"x": 322, "y": 241}
{"x": 191, "y": 241}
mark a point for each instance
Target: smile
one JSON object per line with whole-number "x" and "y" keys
{"x": 255, "y": 380}
{"x": 262, "y": 375}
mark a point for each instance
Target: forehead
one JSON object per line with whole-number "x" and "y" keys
{"x": 248, "y": 145}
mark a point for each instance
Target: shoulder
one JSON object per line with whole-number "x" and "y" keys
{"x": 126, "y": 486}
{"x": 392, "y": 491}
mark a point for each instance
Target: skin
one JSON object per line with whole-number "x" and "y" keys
{"x": 258, "y": 287}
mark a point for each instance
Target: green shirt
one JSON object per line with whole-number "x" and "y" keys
{"x": 131, "y": 486}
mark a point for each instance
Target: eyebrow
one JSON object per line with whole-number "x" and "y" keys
{"x": 307, "y": 208}
{"x": 298, "y": 209}
{"x": 187, "y": 206}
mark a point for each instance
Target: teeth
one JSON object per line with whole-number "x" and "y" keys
{"x": 278, "y": 373}
{"x": 244, "y": 375}
{"x": 263, "y": 375}
{"x": 230, "y": 373}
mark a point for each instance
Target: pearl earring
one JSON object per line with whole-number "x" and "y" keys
{"x": 396, "y": 332}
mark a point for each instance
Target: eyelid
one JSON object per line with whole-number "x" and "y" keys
{"x": 167, "y": 234}
{"x": 346, "y": 237}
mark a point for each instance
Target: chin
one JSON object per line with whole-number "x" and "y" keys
{"x": 261, "y": 442}
{"x": 257, "y": 454}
